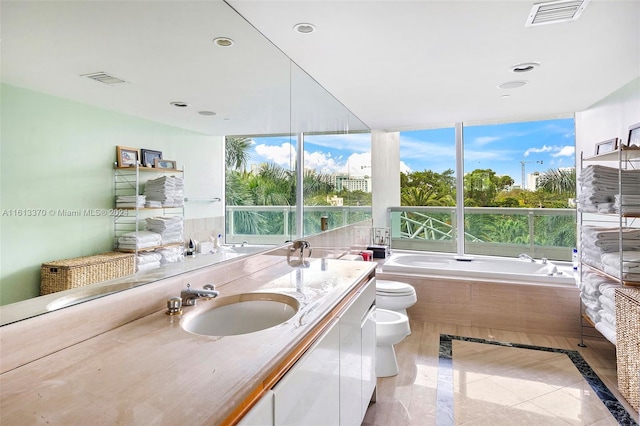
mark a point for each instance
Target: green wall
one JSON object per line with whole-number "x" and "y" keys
{"x": 58, "y": 155}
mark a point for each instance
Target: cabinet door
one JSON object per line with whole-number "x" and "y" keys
{"x": 350, "y": 368}
{"x": 309, "y": 394}
{"x": 369, "y": 378}
{"x": 353, "y": 368}
{"x": 260, "y": 414}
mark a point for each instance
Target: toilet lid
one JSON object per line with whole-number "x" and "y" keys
{"x": 394, "y": 288}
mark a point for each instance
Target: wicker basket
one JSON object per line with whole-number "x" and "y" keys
{"x": 80, "y": 271}
{"x": 628, "y": 344}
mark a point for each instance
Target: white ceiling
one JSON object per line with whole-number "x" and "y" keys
{"x": 394, "y": 64}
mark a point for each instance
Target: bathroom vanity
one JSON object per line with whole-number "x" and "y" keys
{"x": 151, "y": 371}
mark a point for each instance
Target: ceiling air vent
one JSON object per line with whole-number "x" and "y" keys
{"x": 103, "y": 78}
{"x": 553, "y": 12}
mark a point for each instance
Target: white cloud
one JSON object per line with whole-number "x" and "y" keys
{"x": 545, "y": 148}
{"x": 565, "y": 151}
{"x": 280, "y": 155}
{"x": 483, "y": 140}
{"x": 324, "y": 163}
{"x": 358, "y": 164}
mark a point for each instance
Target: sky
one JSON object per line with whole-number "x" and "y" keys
{"x": 504, "y": 148}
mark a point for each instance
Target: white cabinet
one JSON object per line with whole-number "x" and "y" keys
{"x": 334, "y": 380}
{"x": 309, "y": 394}
{"x": 260, "y": 414}
{"x": 357, "y": 356}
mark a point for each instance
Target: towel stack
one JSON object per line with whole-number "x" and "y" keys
{"x": 171, "y": 254}
{"x": 599, "y": 184}
{"x": 627, "y": 204}
{"x": 607, "y": 312}
{"x": 597, "y": 295}
{"x": 601, "y": 249}
{"x": 168, "y": 190}
{"x": 130, "y": 201}
{"x": 148, "y": 260}
{"x": 139, "y": 240}
{"x": 169, "y": 228}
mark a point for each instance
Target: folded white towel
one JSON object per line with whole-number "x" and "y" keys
{"x": 607, "y": 331}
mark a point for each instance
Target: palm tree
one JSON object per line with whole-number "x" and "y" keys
{"x": 559, "y": 181}
{"x": 236, "y": 152}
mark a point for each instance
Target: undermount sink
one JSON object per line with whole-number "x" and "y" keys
{"x": 241, "y": 314}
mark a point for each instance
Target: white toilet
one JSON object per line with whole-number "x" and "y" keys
{"x": 391, "y": 328}
{"x": 395, "y": 295}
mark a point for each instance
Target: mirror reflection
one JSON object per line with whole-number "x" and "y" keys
{"x": 81, "y": 78}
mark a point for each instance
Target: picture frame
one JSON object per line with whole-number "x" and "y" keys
{"x": 633, "y": 137}
{"x": 165, "y": 164}
{"x": 148, "y": 157}
{"x": 127, "y": 157}
{"x": 607, "y": 146}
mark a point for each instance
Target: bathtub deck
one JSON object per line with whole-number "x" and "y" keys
{"x": 550, "y": 310}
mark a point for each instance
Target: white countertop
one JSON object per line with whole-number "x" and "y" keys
{"x": 152, "y": 371}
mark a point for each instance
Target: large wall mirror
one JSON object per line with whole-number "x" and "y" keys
{"x": 80, "y": 78}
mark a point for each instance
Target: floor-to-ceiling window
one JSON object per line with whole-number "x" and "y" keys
{"x": 426, "y": 219}
{"x": 260, "y": 195}
{"x": 519, "y": 186}
{"x": 517, "y": 182}
{"x": 337, "y": 180}
{"x": 262, "y": 185}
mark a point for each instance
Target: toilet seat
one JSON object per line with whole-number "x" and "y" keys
{"x": 394, "y": 288}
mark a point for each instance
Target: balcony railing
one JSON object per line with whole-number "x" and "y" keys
{"x": 276, "y": 224}
{"x": 549, "y": 233}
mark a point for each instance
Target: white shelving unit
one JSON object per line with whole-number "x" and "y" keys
{"x": 129, "y": 181}
{"x": 623, "y": 216}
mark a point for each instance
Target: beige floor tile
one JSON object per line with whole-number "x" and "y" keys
{"x": 494, "y": 385}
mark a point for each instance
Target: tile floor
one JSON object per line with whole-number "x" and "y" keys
{"x": 453, "y": 375}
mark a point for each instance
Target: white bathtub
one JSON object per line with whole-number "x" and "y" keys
{"x": 501, "y": 269}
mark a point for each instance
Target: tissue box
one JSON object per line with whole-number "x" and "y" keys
{"x": 205, "y": 247}
{"x": 379, "y": 251}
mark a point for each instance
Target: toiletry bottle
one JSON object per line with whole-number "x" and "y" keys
{"x": 191, "y": 248}
{"x": 218, "y": 241}
{"x": 574, "y": 258}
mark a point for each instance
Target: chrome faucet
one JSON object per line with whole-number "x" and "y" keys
{"x": 526, "y": 257}
{"x": 189, "y": 296}
{"x": 301, "y": 245}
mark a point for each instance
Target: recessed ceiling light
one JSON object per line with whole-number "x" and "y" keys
{"x": 303, "y": 28}
{"x": 512, "y": 84}
{"x": 223, "y": 42}
{"x": 524, "y": 67}
{"x": 506, "y": 96}
{"x": 179, "y": 104}
{"x": 206, "y": 113}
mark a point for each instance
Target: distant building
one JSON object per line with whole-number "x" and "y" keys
{"x": 532, "y": 180}
{"x": 344, "y": 181}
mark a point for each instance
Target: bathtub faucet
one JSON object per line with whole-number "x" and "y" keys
{"x": 526, "y": 257}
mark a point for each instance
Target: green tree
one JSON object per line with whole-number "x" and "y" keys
{"x": 481, "y": 187}
{"x": 428, "y": 188}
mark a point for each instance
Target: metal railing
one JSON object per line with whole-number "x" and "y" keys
{"x": 276, "y": 224}
{"x": 496, "y": 231}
